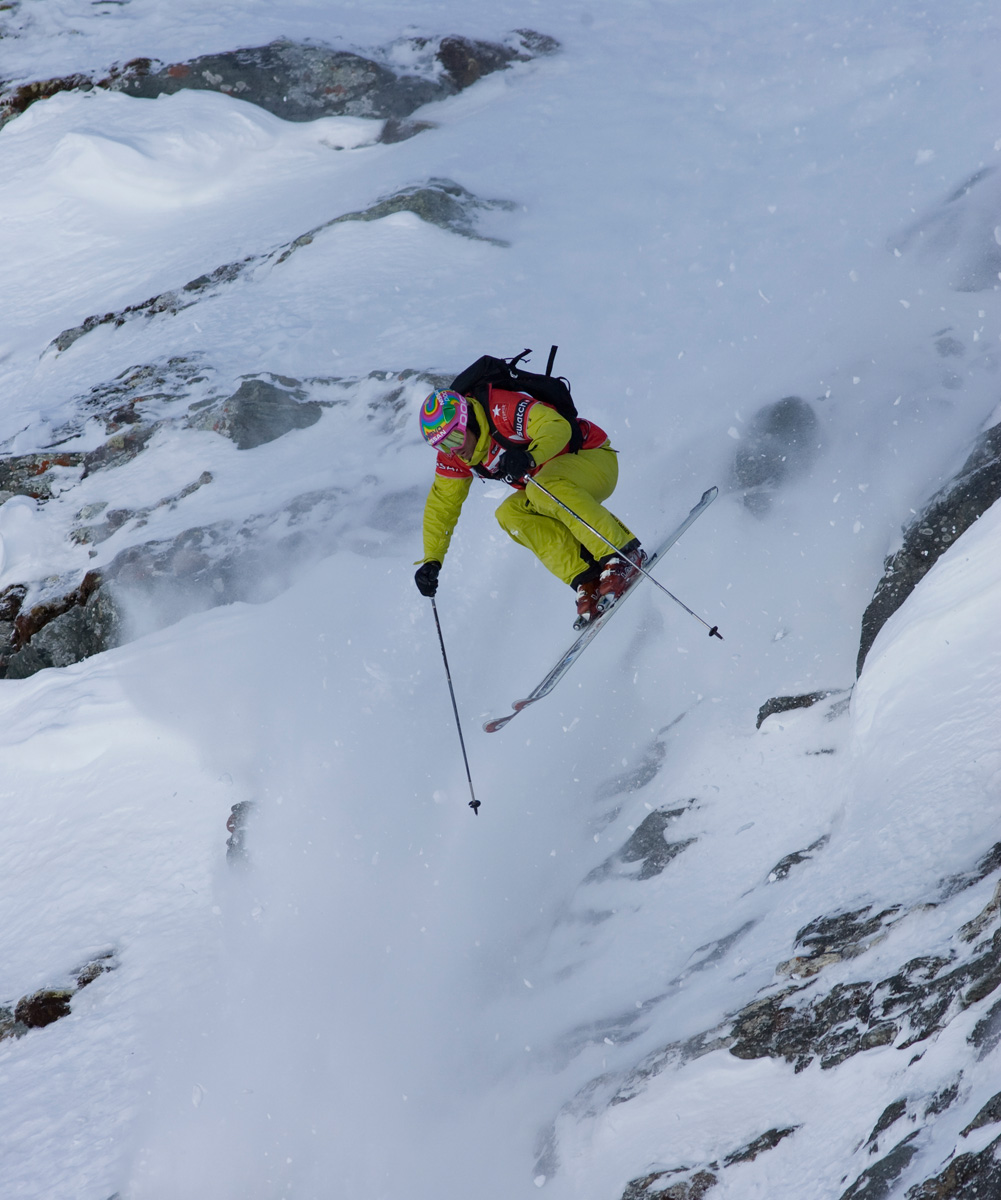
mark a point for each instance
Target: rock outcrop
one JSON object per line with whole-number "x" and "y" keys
{"x": 300, "y": 81}
{"x": 781, "y": 442}
{"x": 946, "y": 517}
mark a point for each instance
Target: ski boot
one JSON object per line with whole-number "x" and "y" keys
{"x": 587, "y": 603}
{"x": 618, "y": 574}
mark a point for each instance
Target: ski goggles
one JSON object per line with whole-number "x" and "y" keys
{"x": 453, "y": 439}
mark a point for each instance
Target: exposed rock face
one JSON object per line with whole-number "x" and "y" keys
{"x": 62, "y": 620}
{"x": 947, "y": 516}
{"x": 781, "y": 442}
{"x": 695, "y": 1182}
{"x": 49, "y": 1005}
{"x": 440, "y": 202}
{"x": 805, "y": 1017}
{"x": 259, "y": 412}
{"x": 648, "y": 846}
{"x": 781, "y": 704}
{"x": 967, "y": 1177}
{"x": 876, "y": 1181}
{"x": 300, "y": 82}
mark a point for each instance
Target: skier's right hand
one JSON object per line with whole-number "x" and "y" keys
{"x": 426, "y": 577}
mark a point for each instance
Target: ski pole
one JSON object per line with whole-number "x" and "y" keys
{"x": 713, "y": 629}
{"x": 474, "y": 804}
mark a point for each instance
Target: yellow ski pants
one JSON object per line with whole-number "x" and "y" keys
{"x": 582, "y": 481}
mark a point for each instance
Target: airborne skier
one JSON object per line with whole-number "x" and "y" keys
{"x": 509, "y": 435}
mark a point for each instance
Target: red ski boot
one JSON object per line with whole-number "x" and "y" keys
{"x": 587, "y": 603}
{"x": 619, "y": 572}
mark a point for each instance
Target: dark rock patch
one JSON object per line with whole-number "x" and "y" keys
{"x": 876, "y": 1182}
{"x": 303, "y": 81}
{"x": 101, "y": 965}
{"x": 986, "y": 866}
{"x": 657, "y": 1187}
{"x": 967, "y": 1177}
{"x": 889, "y": 1116}
{"x": 19, "y": 99}
{"x": 59, "y": 621}
{"x": 697, "y": 1181}
{"x": 990, "y": 1114}
{"x": 781, "y": 704}
{"x": 49, "y": 1005}
{"x": 116, "y": 518}
{"x": 781, "y": 442}
{"x": 854, "y": 1017}
{"x": 848, "y": 934}
{"x": 294, "y": 81}
{"x": 647, "y": 846}
{"x": 986, "y": 1033}
{"x": 767, "y": 1141}
{"x": 942, "y": 1100}
{"x": 259, "y": 412}
{"x": 946, "y": 517}
{"x": 785, "y": 865}
{"x": 60, "y": 628}
{"x": 43, "y": 1008}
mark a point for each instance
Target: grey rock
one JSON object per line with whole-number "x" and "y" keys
{"x": 294, "y": 81}
{"x": 258, "y": 412}
{"x": 967, "y": 1177}
{"x": 946, "y": 517}
{"x": 889, "y": 1116}
{"x": 854, "y": 1017}
{"x": 990, "y": 1114}
{"x": 780, "y": 443}
{"x": 301, "y": 81}
{"x": 43, "y": 1007}
{"x": 94, "y": 968}
{"x": 781, "y": 704}
{"x": 767, "y": 1141}
{"x": 876, "y": 1182}
{"x": 785, "y": 865}
{"x": 647, "y": 846}
{"x": 656, "y": 1186}
{"x": 67, "y": 629}
{"x": 943, "y": 1099}
{"x": 986, "y": 1034}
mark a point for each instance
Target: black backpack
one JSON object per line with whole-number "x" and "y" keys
{"x": 505, "y": 373}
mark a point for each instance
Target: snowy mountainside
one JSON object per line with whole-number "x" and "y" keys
{"x": 695, "y": 944}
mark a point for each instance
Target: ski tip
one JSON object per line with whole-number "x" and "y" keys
{"x": 497, "y": 723}
{"x": 709, "y": 494}
{"x": 519, "y": 705}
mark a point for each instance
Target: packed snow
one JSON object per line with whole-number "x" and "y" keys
{"x": 713, "y": 206}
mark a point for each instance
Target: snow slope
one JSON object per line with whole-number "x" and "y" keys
{"x": 716, "y": 206}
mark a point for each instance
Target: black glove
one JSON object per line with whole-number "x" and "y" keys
{"x": 426, "y": 578}
{"x": 514, "y": 465}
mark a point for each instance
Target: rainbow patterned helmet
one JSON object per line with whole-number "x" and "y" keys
{"x": 442, "y": 412}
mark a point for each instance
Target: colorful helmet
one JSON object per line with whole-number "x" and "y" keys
{"x": 442, "y": 412}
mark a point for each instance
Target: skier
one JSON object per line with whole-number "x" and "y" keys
{"x": 536, "y": 440}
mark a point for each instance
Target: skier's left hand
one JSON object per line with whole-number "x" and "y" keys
{"x": 514, "y": 465}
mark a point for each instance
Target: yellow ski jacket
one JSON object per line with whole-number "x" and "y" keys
{"x": 548, "y": 435}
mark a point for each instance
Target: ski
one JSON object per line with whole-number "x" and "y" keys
{"x": 590, "y": 631}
